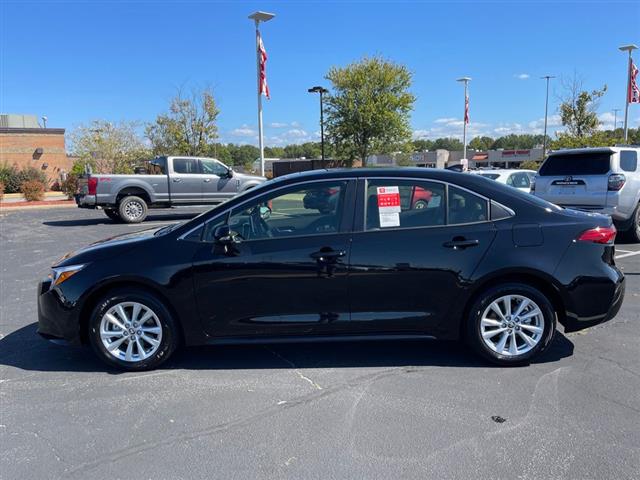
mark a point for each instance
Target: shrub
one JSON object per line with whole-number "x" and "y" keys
{"x": 33, "y": 190}
{"x": 70, "y": 185}
{"x": 530, "y": 165}
{"x": 14, "y": 178}
{"x": 1, "y": 190}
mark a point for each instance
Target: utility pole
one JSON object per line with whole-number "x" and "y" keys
{"x": 546, "y": 112}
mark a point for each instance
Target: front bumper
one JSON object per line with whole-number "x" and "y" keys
{"x": 56, "y": 320}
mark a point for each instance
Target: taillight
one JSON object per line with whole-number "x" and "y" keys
{"x": 92, "y": 185}
{"x": 603, "y": 235}
{"x": 616, "y": 182}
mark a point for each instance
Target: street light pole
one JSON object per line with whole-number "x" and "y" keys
{"x": 615, "y": 119}
{"x": 546, "y": 111}
{"x": 465, "y": 80}
{"x": 627, "y": 48}
{"x": 258, "y": 17}
{"x": 321, "y": 91}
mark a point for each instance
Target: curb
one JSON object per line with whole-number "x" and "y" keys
{"x": 5, "y": 207}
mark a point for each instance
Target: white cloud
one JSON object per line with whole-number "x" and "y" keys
{"x": 295, "y": 124}
{"x": 537, "y": 126}
{"x": 278, "y": 125}
{"x": 522, "y": 76}
{"x": 244, "y": 131}
{"x": 444, "y": 120}
{"x": 296, "y": 133}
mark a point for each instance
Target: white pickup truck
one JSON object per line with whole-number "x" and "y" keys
{"x": 163, "y": 182}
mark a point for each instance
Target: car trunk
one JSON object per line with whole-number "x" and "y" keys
{"x": 577, "y": 179}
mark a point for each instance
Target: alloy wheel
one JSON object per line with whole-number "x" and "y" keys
{"x": 512, "y": 325}
{"x": 133, "y": 210}
{"x": 130, "y": 331}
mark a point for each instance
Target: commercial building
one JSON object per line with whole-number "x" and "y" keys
{"x": 24, "y": 143}
{"x": 444, "y": 158}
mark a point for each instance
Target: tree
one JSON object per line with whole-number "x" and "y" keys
{"x": 578, "y": 109}
{"x": 108, "y": 147}
{"x": 451, "y": 144}
{"x": 243, "y": 155}
{"x": 515, "y": 141}
{"x": 530, "y": 165}
{"x": 368, "y": 110}
{"x": 422, "y": 145}
{"x": 481, "y": 143}
{"x": 188, "y": 128}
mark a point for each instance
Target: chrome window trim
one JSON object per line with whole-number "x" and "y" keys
{"x": 446, "y": 213}
{"x": 340, "y": 179}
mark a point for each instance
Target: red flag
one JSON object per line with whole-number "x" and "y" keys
{"x": 466, "y": 109}
{"x": 263, "y": 89}
{"x": 634, "y": 90}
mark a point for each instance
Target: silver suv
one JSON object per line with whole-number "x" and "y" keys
{"x": 604, "y": 180}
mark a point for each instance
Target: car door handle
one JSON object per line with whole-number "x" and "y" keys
{"x": 207, "y": 180}
{"x": 459, "y": 243}
{"x": 177, "y": 180}
{"x": 323, "y": 255}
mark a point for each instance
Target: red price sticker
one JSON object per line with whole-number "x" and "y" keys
{"x": 389, "y": 197}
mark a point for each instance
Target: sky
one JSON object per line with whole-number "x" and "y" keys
{"x": 75, "y": 61}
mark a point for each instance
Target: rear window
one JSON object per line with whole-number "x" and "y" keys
{"x": 492, "y": 176}
{"x": 628, "y": 160}
{"x": 596, "y": 163}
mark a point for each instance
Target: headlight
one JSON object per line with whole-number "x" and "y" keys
{"x": 61, "y": 274}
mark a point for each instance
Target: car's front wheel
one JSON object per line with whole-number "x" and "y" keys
{"x": 132, "y": 330}
{"x": 511, "y": 324}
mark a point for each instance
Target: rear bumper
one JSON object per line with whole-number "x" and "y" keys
{"x": 588, "y": 300}
{"x": 85, "y": 201}
{"x": 55, "y": 319}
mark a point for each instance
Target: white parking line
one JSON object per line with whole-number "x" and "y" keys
{"x": 631, "y": 254}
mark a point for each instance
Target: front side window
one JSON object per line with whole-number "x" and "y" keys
{"x": 185, "y": 165}
{"x": 466, "y": 207}
{"x": 519, "y": 180}
{"x": 211, "y": 167}
{"x": 628, "y": 160}
{"x": 313, "y": 209}
{"x": 404, "y": 204}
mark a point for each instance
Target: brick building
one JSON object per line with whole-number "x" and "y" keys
{"x": 24, "y": 143}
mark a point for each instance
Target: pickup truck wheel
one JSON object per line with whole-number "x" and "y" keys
{"x": 112, "y": 214}
{"x": 132, "y": 209}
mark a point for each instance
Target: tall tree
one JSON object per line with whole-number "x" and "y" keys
{"x": 450, "y": 143}
{"x": 481, "y": 143}
{"x": 421, "y": 145}
{"x": 578, "y": 107}
{"x": 368, "y": 110}
{"x": 188, "y": 128}
{"x": 108, "y": 147}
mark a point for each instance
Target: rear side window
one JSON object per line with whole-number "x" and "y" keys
{"x": 185, "y": 165}
{"x": 519, "y": 180}
{"x": 466, "y": 207}
{"x": 629, "y": 160}
{"x": 404, "y": 204}
{"x": 594, "y": 163}
{"x": 157, "y": 166}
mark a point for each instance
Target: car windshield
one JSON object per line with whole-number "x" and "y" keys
{"x": 588, "y": 163}
{"x": 492, "y": 176}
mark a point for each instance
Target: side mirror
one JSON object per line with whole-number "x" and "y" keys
{"x": 230, "y": 173}
{"x": 225, "y": 236}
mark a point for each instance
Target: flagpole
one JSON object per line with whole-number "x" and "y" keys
{"x": 258, "y": 17}
{"x": 260, "y": 134}
{"x": 465, "y": 80}
{"x": 628, "y": 48}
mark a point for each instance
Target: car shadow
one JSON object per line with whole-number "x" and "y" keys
{"x": 25, "y": 350}
{"x": 82, "y": 222}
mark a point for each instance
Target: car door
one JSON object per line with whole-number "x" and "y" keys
{"x": 407, "y": 265}
{"x": 288, "y": 273}
{"x": 186, "y": 180}
{"x": 218, "y": 183}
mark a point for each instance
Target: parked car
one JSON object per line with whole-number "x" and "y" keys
{"x": 484, "y": 262}
{"x": 604, "y": 180}
{"x": 520, "y": 179}
{"x": 168, "y": 181}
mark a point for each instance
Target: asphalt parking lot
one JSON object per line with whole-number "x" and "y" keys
{"x": 375, "y": 410}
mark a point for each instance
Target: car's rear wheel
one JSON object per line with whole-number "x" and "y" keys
{"x": 112, "y": 214}
{"x": 511, "y": 324}
{"x": 633, "y": 234}
{"x": 132, "y": 330}
{"x": 420, "y": 204}
{"x": 132, "y": 209}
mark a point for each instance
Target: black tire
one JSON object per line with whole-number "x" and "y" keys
{"x": 633, "y": 234}
{"x": 420, "y": 204}
{"x": 133, "y": 209}
{"x": 484, "y": 300}
{"x": 112, "y": 214}
{"x": 170, "y": 334}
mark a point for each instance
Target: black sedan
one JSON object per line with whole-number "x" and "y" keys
{"x": 485, "y": 263}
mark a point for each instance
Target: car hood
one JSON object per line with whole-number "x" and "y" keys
{"x": 245, "y": 176}
{"x": 107, "y": 248}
